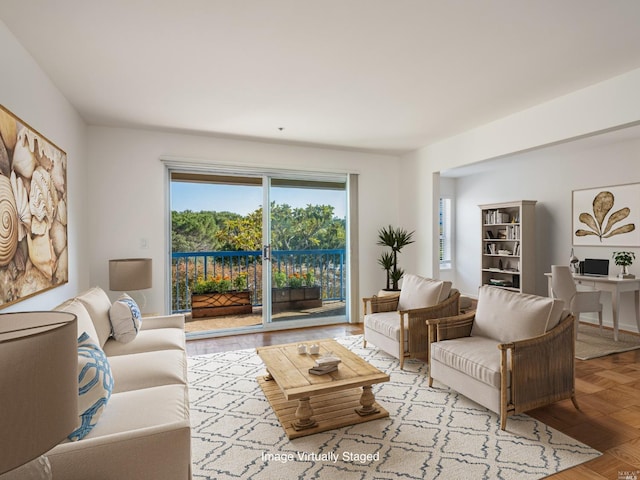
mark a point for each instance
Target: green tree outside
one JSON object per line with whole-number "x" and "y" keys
{"x": 312, "y": 227}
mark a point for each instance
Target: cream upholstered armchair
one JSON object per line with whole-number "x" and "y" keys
{"x": 513, "y": 354}
{"x": 396, "y": 324}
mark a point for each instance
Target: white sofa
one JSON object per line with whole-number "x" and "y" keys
{"x": 144, "y": 430}
{"x": 513, "y": 354}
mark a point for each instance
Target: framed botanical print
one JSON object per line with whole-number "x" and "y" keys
{"x": 607, "y": 216}
{"x": 33, "y": 211}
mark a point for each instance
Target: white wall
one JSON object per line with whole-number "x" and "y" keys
{"x": 608, "y": 105}
{"x": 29, "y": 94}
{"x": 547, "y": 175}
{"x": 127, "y": 194}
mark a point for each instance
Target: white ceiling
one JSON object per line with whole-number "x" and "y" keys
{"x": 373, "y": 75}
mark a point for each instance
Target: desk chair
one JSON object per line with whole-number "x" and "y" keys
{"x": 564, "y": 288}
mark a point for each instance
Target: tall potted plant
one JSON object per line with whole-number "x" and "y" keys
{"x": 396, "y": 239}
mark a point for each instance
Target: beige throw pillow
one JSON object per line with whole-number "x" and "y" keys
{"x": 508, "y": 316}
{"x": 85, "y": 324}
{"x": 421, "y": 292}
{"x": 98, "y": 304}
{"x": 125, "y": 319}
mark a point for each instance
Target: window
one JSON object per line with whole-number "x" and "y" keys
{"x": 445, "y": 222}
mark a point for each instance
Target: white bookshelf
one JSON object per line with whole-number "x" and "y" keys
{"x": 508, "y": 245}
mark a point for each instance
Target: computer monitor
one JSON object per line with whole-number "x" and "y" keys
{"x": 596, "y": 267}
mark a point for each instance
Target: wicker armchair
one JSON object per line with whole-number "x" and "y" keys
{"x": 506, "y": 377}
{"x": 384, "y": 321}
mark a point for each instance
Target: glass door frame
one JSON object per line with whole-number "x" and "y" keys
{"x": 351, "y": 311}
{"x": 267, "y": 270}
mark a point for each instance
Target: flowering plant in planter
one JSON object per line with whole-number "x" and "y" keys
{"x": 309, "y": 278}
{"x": 240, "y": 282}
{"x": 218, "y": 296}
{"x": 279, "y": 279}
{"x": 217, "y": 284}
{"x": 295, "y": 280}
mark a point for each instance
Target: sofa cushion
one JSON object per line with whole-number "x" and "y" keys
{"x": 421, "y": 292}
{"x": 478, "y": 357}
{"x": 143, "y": 408}
{"x": 85, "y": 324}
{"x": 148, "y": 369}
{"x": 98, "y": 304}
{"x": 148, "y": 341}
{"x": 175, "y": 320}
{"x": 125, "y": 318}
{"x": 508, "y": 316}
{"x": 95, "y": 384}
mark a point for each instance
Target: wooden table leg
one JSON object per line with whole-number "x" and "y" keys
{"x": 303, "y": 415}
{"x": 367, "y": 400}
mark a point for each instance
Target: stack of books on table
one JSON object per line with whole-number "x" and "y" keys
{"x": 324, "y": 365}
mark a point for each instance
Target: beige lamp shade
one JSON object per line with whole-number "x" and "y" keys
{"x": 38, "y": 384}
{"x": 126, "y": 274}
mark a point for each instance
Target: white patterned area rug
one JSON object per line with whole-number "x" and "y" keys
{"x": 430, "y": 433}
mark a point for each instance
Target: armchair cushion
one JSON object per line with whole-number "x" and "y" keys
{"x": 421, "y": 292}
{"x": 477, "y": 357}
{"x": 386, "y": 323}
{"x": 508, "y": 316}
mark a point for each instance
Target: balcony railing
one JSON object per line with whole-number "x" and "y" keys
{"x": 328, "y": 267}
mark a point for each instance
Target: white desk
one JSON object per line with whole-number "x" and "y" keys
{"x": 615, "y": 286}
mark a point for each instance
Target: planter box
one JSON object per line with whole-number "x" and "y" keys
{"x": 218, "y": 304}
{"x": 284, "y": 299}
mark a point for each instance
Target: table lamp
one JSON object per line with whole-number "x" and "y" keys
{"x": 38, "y": 389}
{"x": 128, "y": 274}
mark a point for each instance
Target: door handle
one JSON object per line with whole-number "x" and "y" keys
{"x": 266, "y": 252}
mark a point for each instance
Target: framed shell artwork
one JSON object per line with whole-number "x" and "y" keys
{"x": 33, "y": 212}
{"x": 607, "y": 216}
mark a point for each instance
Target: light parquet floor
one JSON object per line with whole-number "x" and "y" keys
{"x": 608, "y": 391}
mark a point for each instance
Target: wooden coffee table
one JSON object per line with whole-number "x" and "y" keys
{"x": 306, "y": 403}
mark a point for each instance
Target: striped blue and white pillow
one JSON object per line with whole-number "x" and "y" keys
{"x": 125, "y": 319}
{"x": 95, "y": 384}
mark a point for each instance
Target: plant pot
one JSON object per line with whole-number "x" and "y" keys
{"x": 624, "y": 272}
{"x": 218, "y": 304}
{"x": 284, "y": 299}
{"x": 388, "y": 293}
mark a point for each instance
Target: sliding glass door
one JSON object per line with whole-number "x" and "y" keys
{"x": 307, "y": 249}
{"x": 282, "y": 239}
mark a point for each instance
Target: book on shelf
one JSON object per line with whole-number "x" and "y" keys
{"x": 497, "y": 282}
{"x": 493, "y": 217}
{"x": 516, "y": 249}
{"x": 513, "y": 232}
